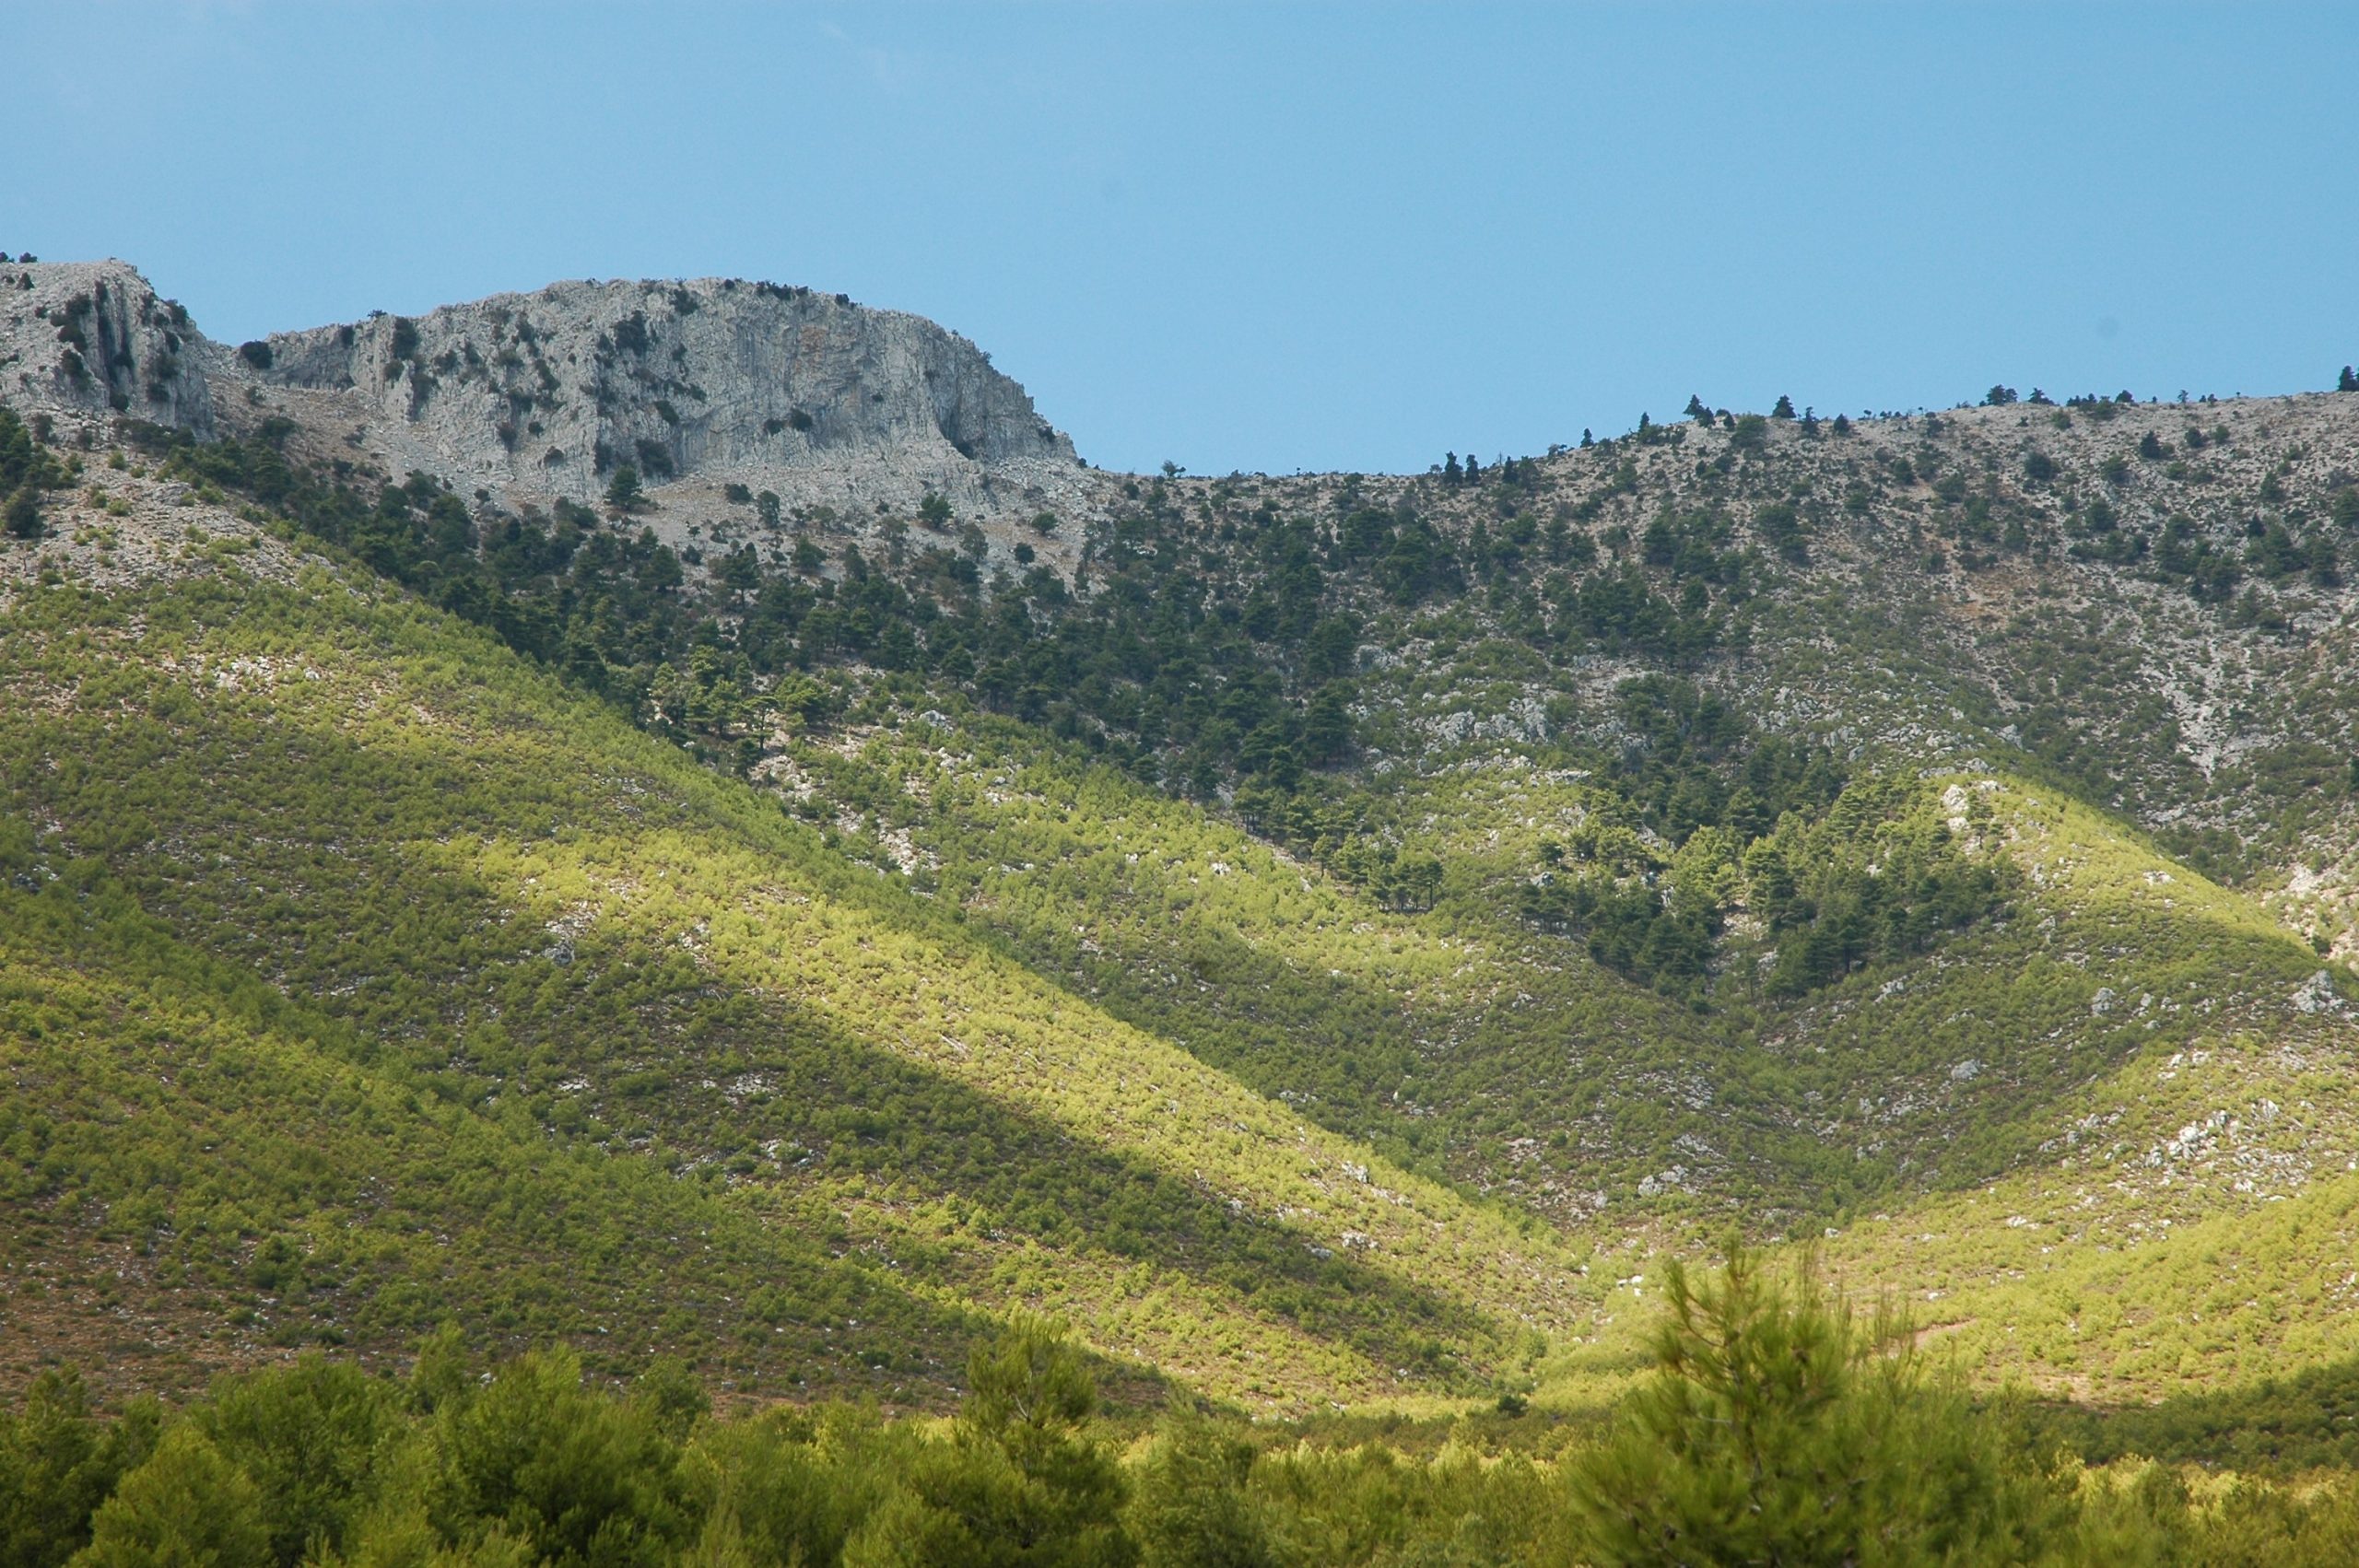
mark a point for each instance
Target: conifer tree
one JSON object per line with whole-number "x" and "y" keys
{"x": 1780, "y": 1429}
{"x": 186, "y": 1505}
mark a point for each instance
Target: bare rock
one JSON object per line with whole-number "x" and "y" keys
{"x": 87, "y": 343}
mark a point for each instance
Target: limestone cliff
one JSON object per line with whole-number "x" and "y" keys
{"x": 545, "y": 395}
{"x": 84, "y": 341}
{"x": 554, "y": 390}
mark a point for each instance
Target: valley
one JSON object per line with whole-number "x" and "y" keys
{"x": 816, "y": 868}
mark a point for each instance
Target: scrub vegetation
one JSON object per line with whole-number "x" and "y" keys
{"x": 541, "y": 1043}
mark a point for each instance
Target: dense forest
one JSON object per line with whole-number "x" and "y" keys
{"x": 1777, "y": 1426}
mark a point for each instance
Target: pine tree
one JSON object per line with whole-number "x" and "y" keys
{"x": 2348, "y": 382}
{"x": 624, "y": 496}
{"x": 1784, "y": 409}
{"x": 186, "y": 1504}
{"x": 1779, "y": 1429}
{"x": 1019, "y": 1483}
{"x": 22, "y": 514}
{"x": 1192, "y": 1508}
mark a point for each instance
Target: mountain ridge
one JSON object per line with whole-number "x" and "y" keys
{"x": 545, "y": 394}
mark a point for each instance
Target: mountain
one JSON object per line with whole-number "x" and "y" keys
{"x": 1329, "y": 936}
{"x": 536, "y": 396}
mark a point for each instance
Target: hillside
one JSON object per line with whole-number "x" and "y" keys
{"x": 1331, "y": 936}
{"x": 548, "y": 927}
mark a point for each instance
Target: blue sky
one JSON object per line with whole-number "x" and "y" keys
{"x": 1267, "y": 237}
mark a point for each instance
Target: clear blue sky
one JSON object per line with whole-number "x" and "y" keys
{"x": 1267, "y": 237}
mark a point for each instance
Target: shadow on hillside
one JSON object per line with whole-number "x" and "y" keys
{"x": 291, "y": 850}
{"x": 1426, "y": 1086}
{"x": 220, "y": 1185}
{"x": 1980, "y": 1056}
{"x": 2306, "y": 1421}
{"x": 834, "y": 1106}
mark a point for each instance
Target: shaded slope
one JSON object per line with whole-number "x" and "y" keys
{"x": 200, "y": 1173}
{"x": 531, "y": 906}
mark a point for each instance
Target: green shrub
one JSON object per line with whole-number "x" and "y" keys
{"x": 1778, "y": 1428}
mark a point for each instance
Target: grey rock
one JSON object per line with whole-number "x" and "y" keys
{"x": 87, "y": 343}
{"x": 2317, "y": 994}
{"x": 550, "y": 391}
{"x": 536, "y": 396}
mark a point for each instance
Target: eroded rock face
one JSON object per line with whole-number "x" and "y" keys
{"x": 554, "y": 390}
{"x": 525, "y": 396}
{"x": 88, "y": 342}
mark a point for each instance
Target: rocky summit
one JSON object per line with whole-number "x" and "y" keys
{"x": 545, "y": 394}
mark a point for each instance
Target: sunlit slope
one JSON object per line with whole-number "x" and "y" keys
{"x": 536, "y": 910}
{"x": 1508, "y": 1059}
{"x": 2142, "y": 1187}
{"x": 2185, "y": 1219}
{"x": 199, "y": 1173}
{"x": 1996, "y": 1052}
{"x": 1451, "y": 1038}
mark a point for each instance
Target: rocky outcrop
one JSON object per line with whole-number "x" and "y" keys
{"x": 554, "y": 390}
{"x": 545, "y": 395}
{"x": 88, "y": 342}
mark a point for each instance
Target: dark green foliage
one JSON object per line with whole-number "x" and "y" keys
{"x": 26, "y": 470}
{"x": 2288, "y": 1425}
{"x": 58, "y": 1462}
{"x": 1779, "y": 1429}
{"x": 1782, "y": 526}
{"x": 629, "y": 335}
{"x": 1872, "y": 882}
{"x": 1191, "y": 1506}
{"x": 21, "y": 513}
{"x": 571, "y": 1476}
{"x": 1020, "y": 1483}
{"x": 309, "y": 1436}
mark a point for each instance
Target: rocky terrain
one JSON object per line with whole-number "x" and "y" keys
{"x": 520, "y": 399}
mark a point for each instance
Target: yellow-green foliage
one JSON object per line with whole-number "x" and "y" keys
{"x": 258, "y": 1182}
{"x": 1288, "y": 1122}
{"x": 553, "y": 924}
{"x": 1770, "y": 1428}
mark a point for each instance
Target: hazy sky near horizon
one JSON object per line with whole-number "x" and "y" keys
{"x": 1272, "y": 236}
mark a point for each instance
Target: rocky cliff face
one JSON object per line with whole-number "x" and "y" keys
{"x": 545, "y": 395}
{"x": 85, "y": 342}
{"x": 552, "y": 391}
